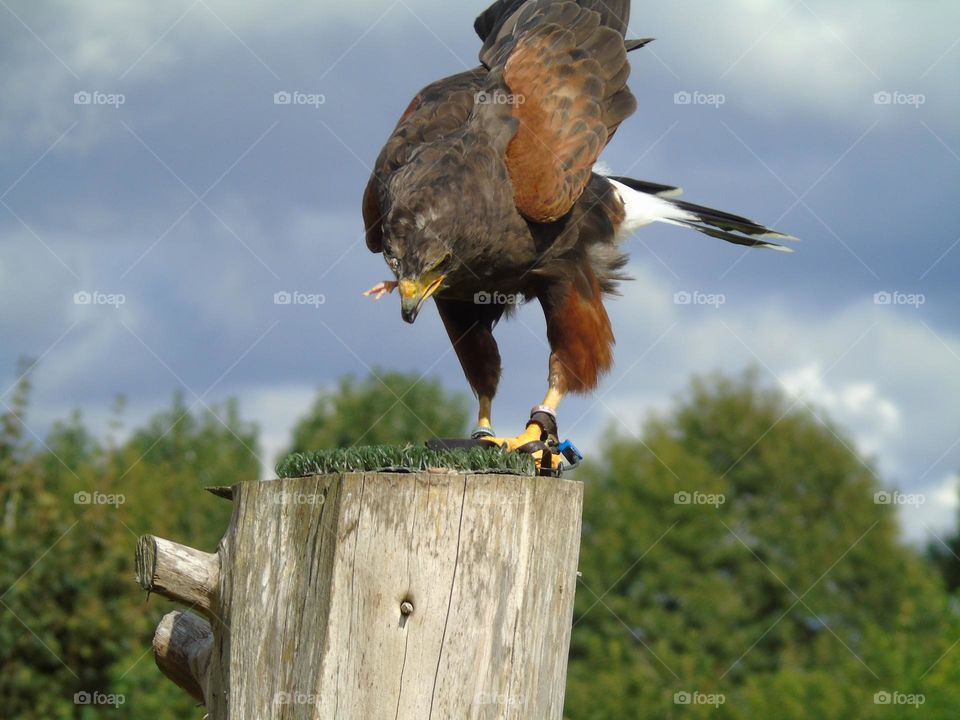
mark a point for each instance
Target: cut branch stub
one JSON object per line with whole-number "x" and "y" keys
{"x": 178, "y": 572}
{"x": 182, "y": 646}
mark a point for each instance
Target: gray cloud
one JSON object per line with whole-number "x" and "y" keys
{"x": 113, "y": 207}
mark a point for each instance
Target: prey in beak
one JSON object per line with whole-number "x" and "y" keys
{"x": 415, "y": 292}
{"x": 416, "y": 286}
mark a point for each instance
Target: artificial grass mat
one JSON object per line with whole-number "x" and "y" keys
{"x": 408, "y": 458}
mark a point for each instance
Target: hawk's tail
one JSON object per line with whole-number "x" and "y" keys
{"x": 645, "y": 203}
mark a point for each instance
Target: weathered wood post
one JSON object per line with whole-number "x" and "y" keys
{"x": 376, "y": 595}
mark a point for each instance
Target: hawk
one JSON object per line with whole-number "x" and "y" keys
{"x": 486, "y": 196}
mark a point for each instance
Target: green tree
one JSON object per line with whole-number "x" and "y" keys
{"x": 735, "y": 548}
{"x": 946, "y": 556}
{"x": 71, "y": 616}
{"x": 383, "y": 409}
{"x": 792, "y": 597}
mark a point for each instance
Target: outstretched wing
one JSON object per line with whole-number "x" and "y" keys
{"x": 560, "y": 74}
{"x": 437, "y": 111}
{"x": 614, "y": 14}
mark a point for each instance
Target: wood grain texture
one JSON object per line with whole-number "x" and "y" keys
{"x": 181, "y": 647}
{"x": 178, "y": 572}
{"x": 406, "y": 596}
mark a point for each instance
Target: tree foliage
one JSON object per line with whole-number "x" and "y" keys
{"x": 791, "y": 598}
{"x": 72, "y": 619}
{"x": 735, "y": 549}
{"x": 382, "y": 409}
{"x": 945, "y": 555}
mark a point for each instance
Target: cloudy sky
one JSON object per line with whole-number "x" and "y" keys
{"x": 154, "y": 198}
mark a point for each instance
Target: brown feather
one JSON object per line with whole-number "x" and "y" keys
{"x": 581, "y": 339}
{"x": 470, "y": 329}
{"x": 372, "y": 216}
{"x": 565, "y": 74}
{"x": 439, "y": 109}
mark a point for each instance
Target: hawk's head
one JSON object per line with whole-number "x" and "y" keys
{"x": 420, "y": 256}
{"x": 442, "y": 203}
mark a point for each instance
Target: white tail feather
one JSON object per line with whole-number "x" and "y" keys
{"x": 642, "y": 209}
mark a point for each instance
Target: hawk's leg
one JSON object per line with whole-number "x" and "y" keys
{"x": 470, "y": 328}
{"x": 581, "y": 350}
{"x": 542, "y": 425}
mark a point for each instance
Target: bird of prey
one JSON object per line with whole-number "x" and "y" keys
{"x": 485, "y": 196}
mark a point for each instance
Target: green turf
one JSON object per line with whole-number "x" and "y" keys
{"x": 411, "y": 458}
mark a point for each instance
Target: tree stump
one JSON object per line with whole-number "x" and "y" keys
{"x": 376, "y": 595}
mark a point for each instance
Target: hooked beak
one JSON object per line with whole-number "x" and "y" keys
{"x": 414, "y": 293}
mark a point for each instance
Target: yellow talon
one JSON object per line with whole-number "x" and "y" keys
{"x": 531, "y": 434}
